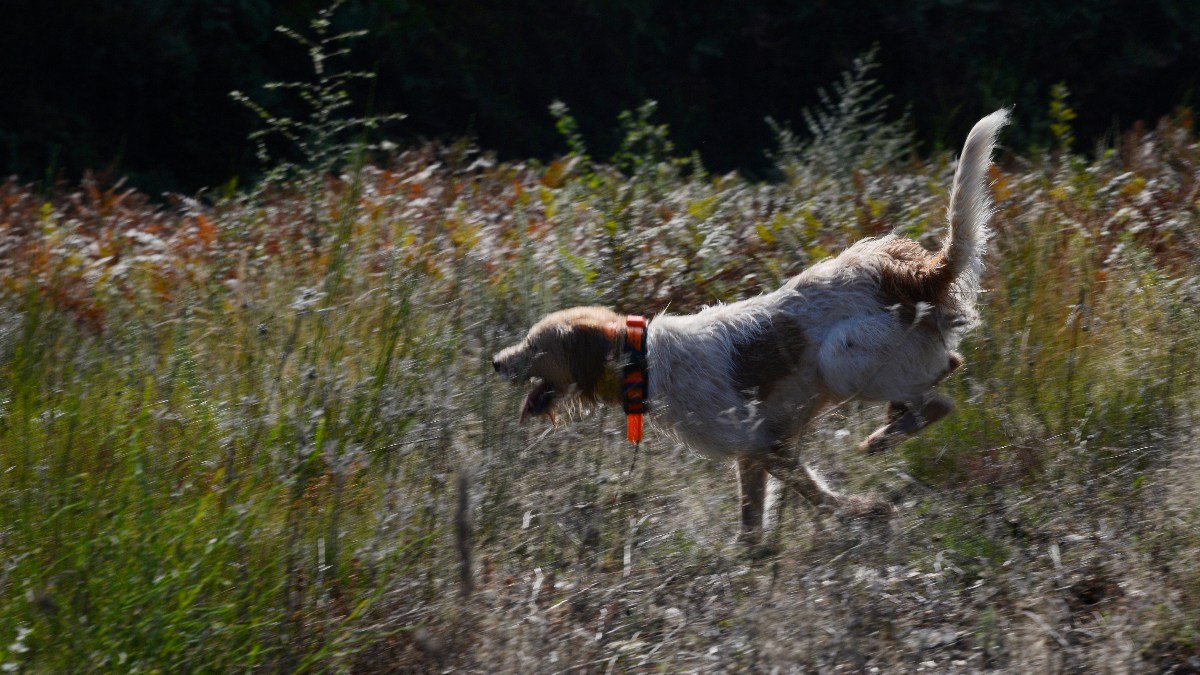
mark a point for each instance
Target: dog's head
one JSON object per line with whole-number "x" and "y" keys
{"x": 566, "y": 357}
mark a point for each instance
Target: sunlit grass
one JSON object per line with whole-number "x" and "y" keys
{"x": 230, "y": 430}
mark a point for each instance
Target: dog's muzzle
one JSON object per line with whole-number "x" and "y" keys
{"x": 510, "y": 364}
{"x": 505, "y": 370}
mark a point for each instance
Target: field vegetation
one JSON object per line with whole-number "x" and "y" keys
{"x": 258, "y": 429}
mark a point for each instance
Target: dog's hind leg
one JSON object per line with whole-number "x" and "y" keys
{"x": 905, "y": 420}
{"x": 792, "y": 473}
{"x": 752, "y": 494}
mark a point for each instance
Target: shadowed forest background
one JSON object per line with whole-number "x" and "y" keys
{"x": 139, "y": 87}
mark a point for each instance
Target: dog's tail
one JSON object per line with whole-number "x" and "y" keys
{"x": 970, "y": 209}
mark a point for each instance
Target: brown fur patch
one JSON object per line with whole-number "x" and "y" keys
{"x": 588, "y": 355}
{"x": 910, "y": 276}
{"x": 772, "y": 355}
{"x": 573, "y": 348}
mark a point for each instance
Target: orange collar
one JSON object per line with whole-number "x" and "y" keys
{"x": 635, "y": 385}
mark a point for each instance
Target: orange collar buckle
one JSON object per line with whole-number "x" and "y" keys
{"x": 635, "y": 389}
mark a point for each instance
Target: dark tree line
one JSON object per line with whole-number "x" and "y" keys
{"x": 140, "y": 87}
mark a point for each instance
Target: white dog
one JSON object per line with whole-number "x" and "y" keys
{"x": 880, "y": 322}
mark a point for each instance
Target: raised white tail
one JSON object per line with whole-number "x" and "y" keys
{"x": 971, "y": 208}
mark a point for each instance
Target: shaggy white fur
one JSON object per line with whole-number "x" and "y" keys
{"x": 879, "y": 322}
{"x": 857, "y": 348}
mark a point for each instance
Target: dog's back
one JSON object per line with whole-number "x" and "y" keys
{"x": 929, "y": 297}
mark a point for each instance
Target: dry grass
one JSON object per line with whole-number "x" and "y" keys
{"x": 232, "y": 430}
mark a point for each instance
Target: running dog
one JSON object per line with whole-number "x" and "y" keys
{"x": 879, "y": 322}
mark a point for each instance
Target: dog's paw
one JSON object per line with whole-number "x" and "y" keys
{"x": 762, "y": 551}
{"x": 753, "y": 546}
{"x": 865, "y": 507}
{"x": 880, "y": 442}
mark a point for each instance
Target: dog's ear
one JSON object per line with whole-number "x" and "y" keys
{"x": 588, "y": 350}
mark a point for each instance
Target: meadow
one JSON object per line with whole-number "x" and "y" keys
{"x": 257, "y": 428}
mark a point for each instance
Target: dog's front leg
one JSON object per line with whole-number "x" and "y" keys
{"x": 752, "y": 494}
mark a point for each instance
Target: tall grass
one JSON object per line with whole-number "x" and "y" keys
{"x": 226, "y": 444}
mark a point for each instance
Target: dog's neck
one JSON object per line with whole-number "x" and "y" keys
{"x": 689, "y": 375}
{"x": 630, "y": 341}
{"x": 692, "y": 378}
